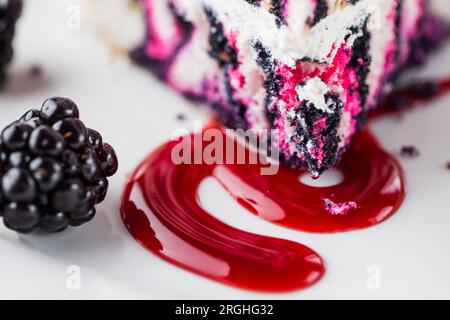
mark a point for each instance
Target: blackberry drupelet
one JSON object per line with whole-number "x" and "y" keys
{"x": 53, "y": 169}
{"x": 10, "y": 11}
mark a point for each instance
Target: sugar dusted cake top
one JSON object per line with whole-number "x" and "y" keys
{"x": 294, "y": 33}
{"x": 311, "y": 69}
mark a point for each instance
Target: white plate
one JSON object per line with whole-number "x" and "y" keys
{"x": 409, "y": 254}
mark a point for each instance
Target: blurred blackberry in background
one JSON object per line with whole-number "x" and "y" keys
{"x": 53, "y": 169}
{"x": 10, "y": 11}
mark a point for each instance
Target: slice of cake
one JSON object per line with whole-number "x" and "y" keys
{"x": 310, "y": 68}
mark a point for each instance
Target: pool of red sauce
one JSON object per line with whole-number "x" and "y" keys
{"x": 161, "y": 209}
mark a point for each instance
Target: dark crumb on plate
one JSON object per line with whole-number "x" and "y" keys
{"x": 36, "y": 71}
{"x": 425, "y": 89}
{"x": 405, "y": 97}
{"x": 447, "y": 165}
{"x": 401, "y": 102}
{"x": 181, "y": 117}
{"x": 410, "y": 152}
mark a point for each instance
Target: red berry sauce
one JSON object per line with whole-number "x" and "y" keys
{"x": 161, "y": 210}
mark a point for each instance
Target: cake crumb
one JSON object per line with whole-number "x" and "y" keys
{"x": 426, "y": 89}
{"x": 447, "y": 165}
{"x": 181, "y": 117}
{"x": 339, "y": 209}
{"x": 36, "y": 71}
{"x": 410, "y": 152}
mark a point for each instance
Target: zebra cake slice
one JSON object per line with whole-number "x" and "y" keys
{"x": 312, "y": 69}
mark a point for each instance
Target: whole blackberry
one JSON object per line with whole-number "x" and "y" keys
{"x": 53, "y": 169}
{"x": 10, "y": 11}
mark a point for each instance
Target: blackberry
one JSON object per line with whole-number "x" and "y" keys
{"x": 53, "y": 169}
{"x": 10, "y": 11}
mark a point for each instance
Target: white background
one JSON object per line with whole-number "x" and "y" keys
{"x": 135, "y": 113}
